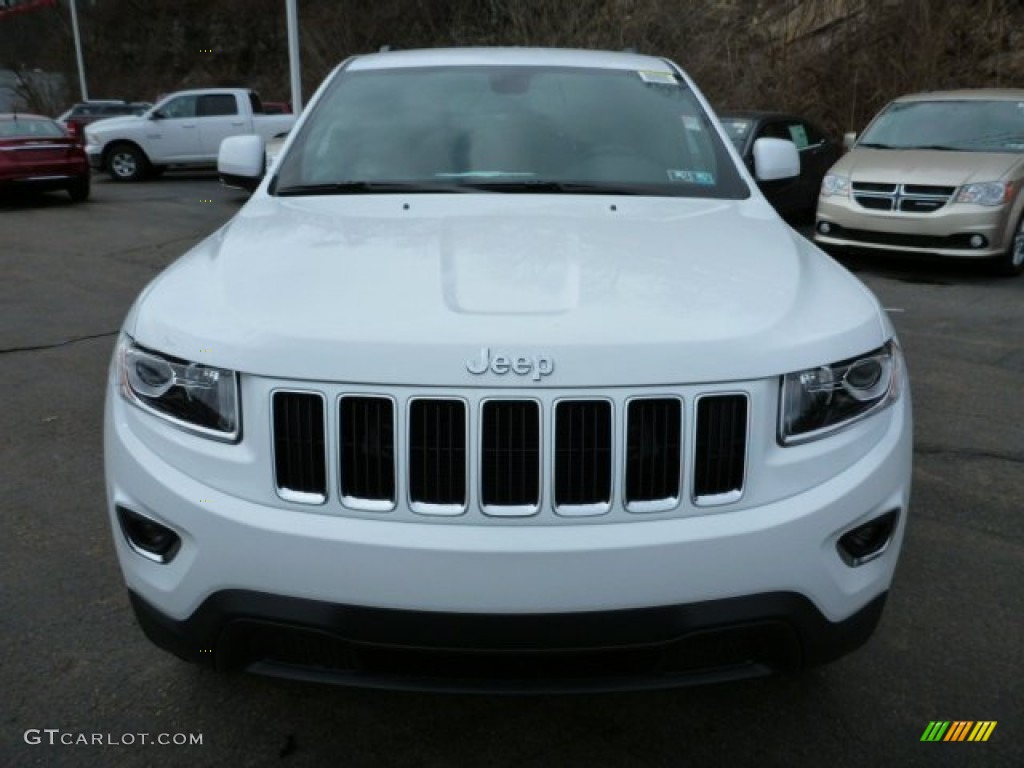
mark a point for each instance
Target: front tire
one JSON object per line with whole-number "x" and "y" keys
{"x": 126, "y": 162}
{"x": 78, "y": 190}
{"x": 1012, "y": 262}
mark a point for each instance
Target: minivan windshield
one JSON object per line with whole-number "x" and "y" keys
{"x": 966, "y": 125}
{"x": 508, "y": 129}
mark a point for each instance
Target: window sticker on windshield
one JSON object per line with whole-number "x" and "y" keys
{"x": 691, "y": 177}
{"x": 691, "y": 123}
{"x": 664, "y": 78}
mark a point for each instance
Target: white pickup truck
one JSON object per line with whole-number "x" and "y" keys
{"x": 183, "y": 129}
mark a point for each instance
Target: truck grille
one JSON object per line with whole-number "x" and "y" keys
{"x": 503, "y": 455}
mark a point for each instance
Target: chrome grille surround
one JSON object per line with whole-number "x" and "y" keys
{"x": 761, "y": 397}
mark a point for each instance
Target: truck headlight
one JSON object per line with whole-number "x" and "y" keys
{"x": 835, "y": 185}
{"x": 819, "y": 401}
{"x": 195, "y": 397}
{"x": 985, "y": 193}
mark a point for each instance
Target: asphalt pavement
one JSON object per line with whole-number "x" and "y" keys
{"x": 75, "y": 668}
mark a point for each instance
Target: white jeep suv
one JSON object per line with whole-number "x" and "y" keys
{"x": 507, "y": 377}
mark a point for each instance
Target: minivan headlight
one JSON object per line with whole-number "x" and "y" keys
{"x": 818, "y": 401}
{"x": 834, "y": 185}
{"x": 196, "y": 397}
{"x": 986, "y": 193}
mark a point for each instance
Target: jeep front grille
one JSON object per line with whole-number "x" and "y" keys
{"x": 721, "y": 449}
{"x": 437, "y": 456}
{"x": 583, "y": 456}
{"x": 506, "y": 456}
{"x": 654, "y": 429}
{"x": 366, "y": 428}
{"x": 510, "y": 456}
{"x": 300, "y": 457}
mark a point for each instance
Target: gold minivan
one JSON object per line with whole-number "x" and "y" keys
{"x": 934, "y": 173}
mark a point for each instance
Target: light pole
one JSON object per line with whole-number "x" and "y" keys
{"x": 78, "y": 51}
{"x": 293, "y": 55}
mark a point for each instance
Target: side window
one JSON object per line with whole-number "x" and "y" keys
{"x": 255, "y": 103}
{"x": 216, "y": 104}
{"x": 774, "y": 131}
{"x": 814, "y": 135}
{"x": 183, "y": 106}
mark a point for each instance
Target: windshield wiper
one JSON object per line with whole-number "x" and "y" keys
{"x": 541, "y": 186}
{"x": 368, "y": 188}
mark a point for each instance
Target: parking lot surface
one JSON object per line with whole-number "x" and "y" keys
{"x": 74, "y": 664}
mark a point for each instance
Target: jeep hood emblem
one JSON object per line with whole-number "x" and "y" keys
{"x": 535, "y": 367}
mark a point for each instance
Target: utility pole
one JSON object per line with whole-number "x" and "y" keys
{"x": 293, "y": 55}
{"x": 78, "y": 51}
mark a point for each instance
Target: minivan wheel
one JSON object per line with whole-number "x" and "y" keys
{"x": 1012, "y": 262}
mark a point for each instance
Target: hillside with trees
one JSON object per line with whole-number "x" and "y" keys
{"x": 838, "y": 60}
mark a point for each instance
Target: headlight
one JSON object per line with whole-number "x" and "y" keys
{"x": 818, "y": 401}
{"x": 833, "y": 185}
{"x": 986, "y": 193}
{"x": 196, "y": 397}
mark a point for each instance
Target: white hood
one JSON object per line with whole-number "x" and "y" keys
{"x": 403, "y": 289}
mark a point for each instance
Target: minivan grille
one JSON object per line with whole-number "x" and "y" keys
{"x": 510, "y": 453}
{"x": 907, "y": 198}
{"x": 583, "y": 453}
{"x": 300, "y": 459}
{"x": 437, "y": 452}
{"x": 653, "y": 451}
{"x": 721, "y": 448}
{"x": 367, "y": 445}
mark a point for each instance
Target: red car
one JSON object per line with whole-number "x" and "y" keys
{"x": 37, "y": 153}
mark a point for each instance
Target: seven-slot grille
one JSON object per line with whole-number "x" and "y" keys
{"x": 423, "y": 448}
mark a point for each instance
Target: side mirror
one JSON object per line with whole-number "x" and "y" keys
{"x": 849, "y": 139}
{"x": 240, "y": 162}
{"x": 775, "y": 159}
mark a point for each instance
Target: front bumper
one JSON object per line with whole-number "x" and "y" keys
{"x": 686, "y": 568}
{"x": 945, "y": 232}
{"x": 95, "y": 154}
{"x": 642, "y": 648}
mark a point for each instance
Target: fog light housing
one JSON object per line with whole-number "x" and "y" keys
{"x": 824, "y": 227}
{"x": 869, "y": 540}
{"x": 147, "y": 537}
{"x": 978, "y": 241}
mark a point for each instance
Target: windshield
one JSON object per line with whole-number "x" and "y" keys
{"x": 737, "y": 128}
{"x": 487, "y": 128}
{"x": 978, "y": 126}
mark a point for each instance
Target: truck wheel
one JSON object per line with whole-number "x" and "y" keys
{"x": 126, "y": 162}
{"x": 1012, "y": 261}
{"x": 79, "y": 189}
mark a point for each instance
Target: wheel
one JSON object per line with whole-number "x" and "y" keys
{"x": 79, "y": 189}
{"x": 126, "y": 162}
{"x": 1012, "y": 262}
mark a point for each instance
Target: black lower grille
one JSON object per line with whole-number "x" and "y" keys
{"x": 437, "y": 452}
{"x": 300, "y": 461}
{"x": 898, "y": 240}
{"x": 583, "y": 452}
{"x": 510, "y": 461}
{"x": 721, "y": 445}
{"x": 653, "y": 449}
{"x": 367, "y": 440}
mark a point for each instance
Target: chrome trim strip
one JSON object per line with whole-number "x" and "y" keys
{"x": 647, "y": 506}
{"x": 730, "y": 497}
{"x": 288, "y": 494}
{"x": 510, "y": 510}
{"x": 354, "y": 502}
{"x": 580, "y": 510}
{"x": 426, "y": 508}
